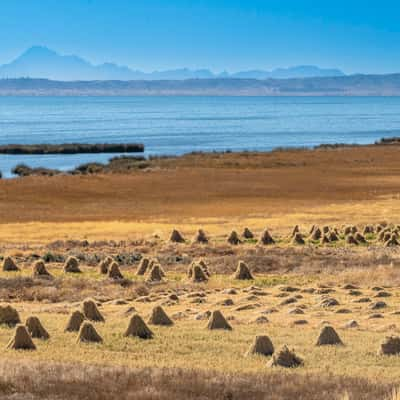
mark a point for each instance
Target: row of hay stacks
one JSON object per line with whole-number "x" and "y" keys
{"x": 389, "y": 235}
{"x": 80, "y": 322}
{"x": 197, "y": 272}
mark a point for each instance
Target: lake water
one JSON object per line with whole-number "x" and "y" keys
{"x": 177, "y": 125}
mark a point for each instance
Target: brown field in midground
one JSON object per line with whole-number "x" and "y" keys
{"x": 217, "y": 191}
{"x": 296, "y": 289}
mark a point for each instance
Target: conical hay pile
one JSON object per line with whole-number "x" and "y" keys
{"x": 200, "y": 237}
{"x": 39, "y": 270}
{"x": 87, "y": 333}
{"x": 91, "y": 312}
{"x": 155, "y": 274}
{"x": 368, "y": 229}
{"x": 351, "y": 240}
{"x": 36, "y": 329}
{"x": 176, "y": 237}
{"x": 75, "y": 321}
{"x": 72, "y": 265}
{"x": 390, "y": 346}
{"x": 204, "y": 267}
{"x": 360, "y": 238}
{"x": 114, "y": 271}
{"x": 333, "y": 237}
{"x": 22, "y": 340}
{"x": 9, "y": 316}
{"x": 392, "y": 241}
{"x": 328, "y": 336}
{"x": 248, "y": 234}
{"x": 316, "y": 234}
{"x": 295, "y": 230}
{"x": 143, "y": 265}
{"x": 138, "y": 328}
{"x": 262, "y": 345}
{"x": 105, "y": 264}
{"x": 266, "y": 238}
{"x": 325, "y": 229}
{"x": 234, "y": 238}
{"x": 218, "y": 321}
{"x": 285, "y": 358}
{"x": 160, "y": 317}
{"x": 198, "y": 274}
{"x": 9, "y": 265}
{"x": 325, "y": 239}
{"x": 298, "y": 239}
{"x": 242, "y": 272}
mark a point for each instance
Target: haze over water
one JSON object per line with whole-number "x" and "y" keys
{"x": 177, "y": 125}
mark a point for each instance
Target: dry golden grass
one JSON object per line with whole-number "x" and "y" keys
{"x": 218, "y": 193}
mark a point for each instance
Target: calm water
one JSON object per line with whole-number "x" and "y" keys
{"x": 176, "y": 125}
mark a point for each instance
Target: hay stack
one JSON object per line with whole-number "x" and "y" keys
{"x": 105, "y": 264}
{"x": 328, "y": 336}
{"x": 247, "y": 234}
{"x": 39, "y": 270}
{"x": 295, "y": 230}
{"x": 143, "y": 265}
{"x": 333, "y": 237}
{"x": 138, "y": 328}
{"x": 21, "y": 340}
{"x": 91, "y": 312}
{"x": 360, "y": 238}
{"x": 242, "y": 272}
{"x": 368, "y": 229}
{"x": 316, "y": 234}
{"x": 390, "y": 346}
{"x": 36, "y": 329}
{"x": 262, "y": 345}
{"x": 285, "y": 358}
{"x": 234, "y": 238}
{"x": 200, "y": 237}
{"x": 176, "y": 237}
{"x": 72, "y": 265}
{"x": 266, "y": 238}
{"x": 9, "y": 265}
{"x": 204, "y": 266}
{"x": 382, "y": 234}
{"x": 87, "y": 333}
{"x": 325, "y": 239}
{"x": 155, "y": 274}
{"x": 218, "y": 321}
{"x": 75, "y": 321}
{"x": 351, "y": 240}
{"x": 325, "y": 229}
{"x": 114, "y": 271}
{"x": 9, "y": 316}
{"x": 160, "y": 317}
{"x": 298, "y": 239}
{"x": 392, "y": 241}
{"x": 198, "y": 274}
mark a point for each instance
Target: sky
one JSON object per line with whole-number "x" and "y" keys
{"x": 232, "y": 35}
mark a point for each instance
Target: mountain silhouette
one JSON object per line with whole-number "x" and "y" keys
{"x": 41, "y": 62}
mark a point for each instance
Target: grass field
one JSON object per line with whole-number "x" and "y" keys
{"x": 129, "y": 216}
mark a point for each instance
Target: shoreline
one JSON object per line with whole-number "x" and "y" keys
{"x": 122, "y": 162}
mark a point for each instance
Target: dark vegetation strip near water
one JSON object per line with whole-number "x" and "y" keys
{"x": 71, "y": 148}
{"x": 126, "y": 164}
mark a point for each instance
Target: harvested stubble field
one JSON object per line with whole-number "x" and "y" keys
{"x": 130, "y": 216}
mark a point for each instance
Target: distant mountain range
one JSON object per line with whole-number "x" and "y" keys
{"x": 41, "y": 62}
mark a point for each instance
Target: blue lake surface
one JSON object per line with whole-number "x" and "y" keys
{"x": 177, "y": 125}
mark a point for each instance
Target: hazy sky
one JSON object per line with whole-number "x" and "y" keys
{"x": 356, "y": 36}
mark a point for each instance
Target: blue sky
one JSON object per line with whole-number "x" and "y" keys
{"x": 356, "y": 36}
